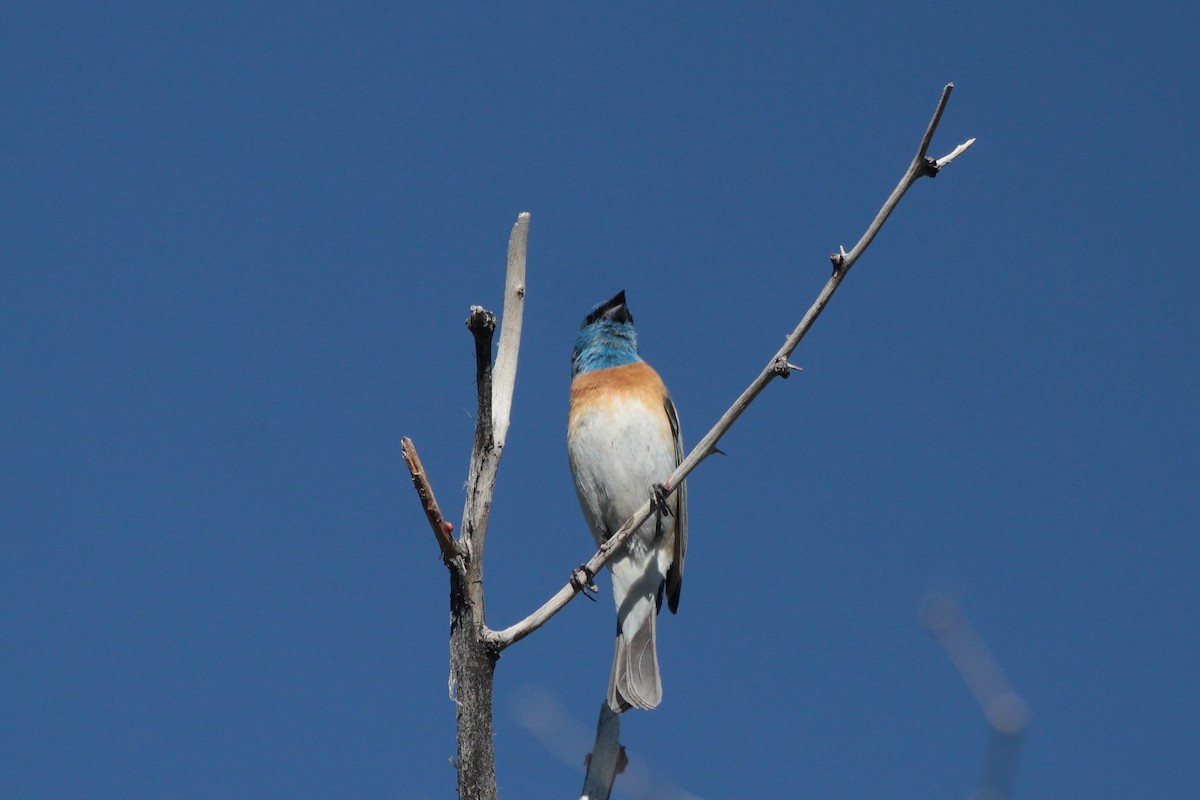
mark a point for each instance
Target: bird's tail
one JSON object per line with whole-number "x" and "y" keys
{"x": 635, "y": 681}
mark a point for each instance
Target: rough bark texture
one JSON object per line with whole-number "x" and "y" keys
{"x": 472, "y": 662}
{"x": 473, "y": 667}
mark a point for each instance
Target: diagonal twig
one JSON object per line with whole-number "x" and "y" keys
{"x": 777, "y": 367}
{"x": 442, "y": 530}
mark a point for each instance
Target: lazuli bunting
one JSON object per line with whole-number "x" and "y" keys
{"x": 622, "y": 441}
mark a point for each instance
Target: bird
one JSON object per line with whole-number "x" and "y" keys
{"x": 623, "y": 441}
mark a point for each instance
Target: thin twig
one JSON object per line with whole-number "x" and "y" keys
{"x": 955, "y": 153}
{"x": 927, "y": 139}
{"x": 441, "y": 529}
{"x": 920, "y": 167}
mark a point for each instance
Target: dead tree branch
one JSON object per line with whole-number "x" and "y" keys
{"x": 607, "y": 759}
{"x": 472, "y": 657}
{"x": 779, "y": 366}
{"x": 442, "y": 530}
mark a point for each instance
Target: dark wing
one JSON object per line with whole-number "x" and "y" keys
{"x": 675, "y": 573}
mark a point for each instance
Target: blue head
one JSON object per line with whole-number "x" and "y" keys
{"x": 606, "y": 339}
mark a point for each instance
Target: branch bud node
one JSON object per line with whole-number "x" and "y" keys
{"x": 481, "y": 320}
{"x": 784, "y": 368}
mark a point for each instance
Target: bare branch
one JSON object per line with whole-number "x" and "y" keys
{"x": 1003, "y": 709}
{"x": 1006, "y": 713}
{"x": 777, "y": 366}
{"x": 607, "y": 759}
{"x": 482, "y": 471}
{"x": 927, "y": 139}
{"x": 504, "y": 377}
{"x": 545, "y": 718}
{"x": 472, "y": 657}
{"x": 921, "y": 166}
{"x": 953, "y": 154}
{"x": 495, "y": 391}
{"x": 441, "y": 528}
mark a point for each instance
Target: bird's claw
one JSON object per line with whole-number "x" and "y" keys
{"x": 659, "y": 499}
{"x": 582, "y": 579}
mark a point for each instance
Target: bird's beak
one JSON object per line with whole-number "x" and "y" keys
{"x": 616, "y": 310}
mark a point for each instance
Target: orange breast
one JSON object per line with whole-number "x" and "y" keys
{"x": 593, "y": 391}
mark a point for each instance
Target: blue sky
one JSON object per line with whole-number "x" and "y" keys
{"x": 238, "y": 245}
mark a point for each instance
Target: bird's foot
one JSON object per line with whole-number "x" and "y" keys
{"x": 658, "y": 497}
{"x": 582, "y": 579}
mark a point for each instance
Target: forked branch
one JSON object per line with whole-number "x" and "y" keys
{"x": 472, "y": 658}
{"x": 777, "y": 366}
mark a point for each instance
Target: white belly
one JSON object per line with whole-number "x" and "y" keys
{"x": 617, "y": 452}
